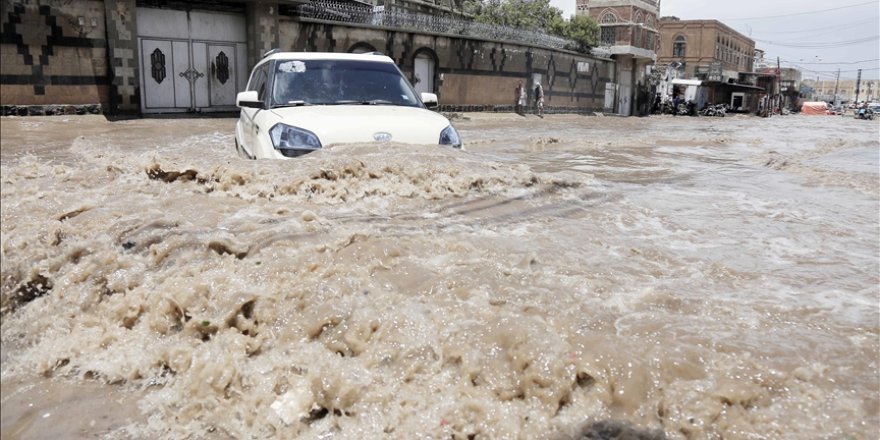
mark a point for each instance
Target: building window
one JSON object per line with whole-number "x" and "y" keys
{"x": 608, "y": 35}
{"x": 608, "y": 17}
{"x": 679, "y": 47}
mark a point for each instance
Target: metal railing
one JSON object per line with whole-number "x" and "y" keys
{"x": 355, "y": 13}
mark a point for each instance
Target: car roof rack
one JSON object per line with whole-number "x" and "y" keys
{"x": 271, "y": 52}
{"x": 375, "y": 53}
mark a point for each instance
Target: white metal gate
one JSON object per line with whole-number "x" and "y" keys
{"x": 610, "y": 88}
{"x": 191, "y": 60}
{"x": 423, "y": 74}
{"x": 624, "y": 93}
{"x": 624, "y": 100}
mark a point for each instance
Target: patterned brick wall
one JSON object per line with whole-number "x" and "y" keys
{"x": 470, "y": 75}
{"x": 53, "y": 52}
{"x": 262, "y": 29}
{"x": 122, "y": 45}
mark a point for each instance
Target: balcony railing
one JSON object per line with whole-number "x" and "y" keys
{"x": 345, "y": 12}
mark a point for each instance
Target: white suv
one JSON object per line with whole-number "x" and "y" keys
{"x": 296, "y": 103}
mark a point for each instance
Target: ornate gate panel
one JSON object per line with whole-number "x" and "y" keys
{"x": 190, "y": 60}
{"x": 222, "y": 60}
{"x": 157, "y": 61}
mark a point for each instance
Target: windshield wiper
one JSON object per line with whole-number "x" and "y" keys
{"x": 292, "y": 104}
{"x": 354, "y": 102}
{"x": 377, "y": 102}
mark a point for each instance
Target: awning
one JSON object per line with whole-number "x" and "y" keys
{"x": 742, "y": 87}
{"x": 687, "y": 82}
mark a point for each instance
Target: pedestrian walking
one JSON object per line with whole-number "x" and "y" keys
{"x": 539, "y": 100}
{"x": 520, "y": 97}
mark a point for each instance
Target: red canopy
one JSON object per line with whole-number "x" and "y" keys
{"x": 814, "y": 108}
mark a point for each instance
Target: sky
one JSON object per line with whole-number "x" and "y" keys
{"x": 822, "y": 37}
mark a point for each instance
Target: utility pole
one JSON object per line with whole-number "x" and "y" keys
{"x": 858, "y": 85}
{"x": 836, "y": 84}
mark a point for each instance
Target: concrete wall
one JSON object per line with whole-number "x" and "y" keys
{"x": 61, "y": 52}
{"x": 123, "y": 48}
{"x": 53, "y": 52}
{"x": 66, "y": 52}
{"x": 262, "y": 30}
{"x": 471, "y": 74}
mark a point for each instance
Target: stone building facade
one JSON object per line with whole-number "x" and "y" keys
{"x": 823, "y": 90}
{"x": 701, "y": 45}
{"x": 629, "y": 34}
{"x": 134, "y": 57}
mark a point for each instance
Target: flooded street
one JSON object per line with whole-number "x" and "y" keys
{"x": 566, "y": 277}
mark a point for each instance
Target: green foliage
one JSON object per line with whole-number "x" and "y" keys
{"x": 535, "y": 15}
{"x": 583, "y": 30}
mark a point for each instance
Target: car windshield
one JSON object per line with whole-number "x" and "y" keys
{"x": 339, "y": 82}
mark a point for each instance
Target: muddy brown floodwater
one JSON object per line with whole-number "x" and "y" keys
{"x": 571, "y": 277}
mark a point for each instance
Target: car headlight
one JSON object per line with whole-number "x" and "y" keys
{"x": 450, "y": 137}
{"x": 293, "y": 141}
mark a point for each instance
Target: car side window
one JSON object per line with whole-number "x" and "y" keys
{"x": 259, "y": 80}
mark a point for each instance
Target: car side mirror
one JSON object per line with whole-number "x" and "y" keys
{"x": 430, "y": 100}
{"x": 248, "y": 99}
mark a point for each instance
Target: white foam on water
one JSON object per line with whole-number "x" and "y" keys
{"x": 561, "y": 277}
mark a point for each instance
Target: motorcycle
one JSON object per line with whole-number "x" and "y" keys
{"x": 718, "y": 110}
{"x": 865, "y": 113}
{"x": 682, "y": 110}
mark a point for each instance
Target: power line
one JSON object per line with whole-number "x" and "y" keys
{"x": 839, "y": 62}
{"x": 813, "y": 30}
{"x": 801, "y": 13}
{"x": 827, "y": 73}
{"x": 821, "y": 45}
{"x": 843, "y": 71}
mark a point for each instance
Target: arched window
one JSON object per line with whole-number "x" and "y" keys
{"x": 679, "y": 46}
{"x": 361, "y": 47}
{"x": 608, "y": 17}
{"x": 650, "y": 22}
{"x": 639, "y": 18}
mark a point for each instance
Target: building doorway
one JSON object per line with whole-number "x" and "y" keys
{"x": 423, "y": 73}
{"x": 624, "y": 93}
{"x": 191, "y": 61}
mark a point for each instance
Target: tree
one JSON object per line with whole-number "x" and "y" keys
{"x": 533, "y": 15}
{"x": 583, "y": 30}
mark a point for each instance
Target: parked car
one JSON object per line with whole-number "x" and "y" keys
{"x": 296, "y": 103}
